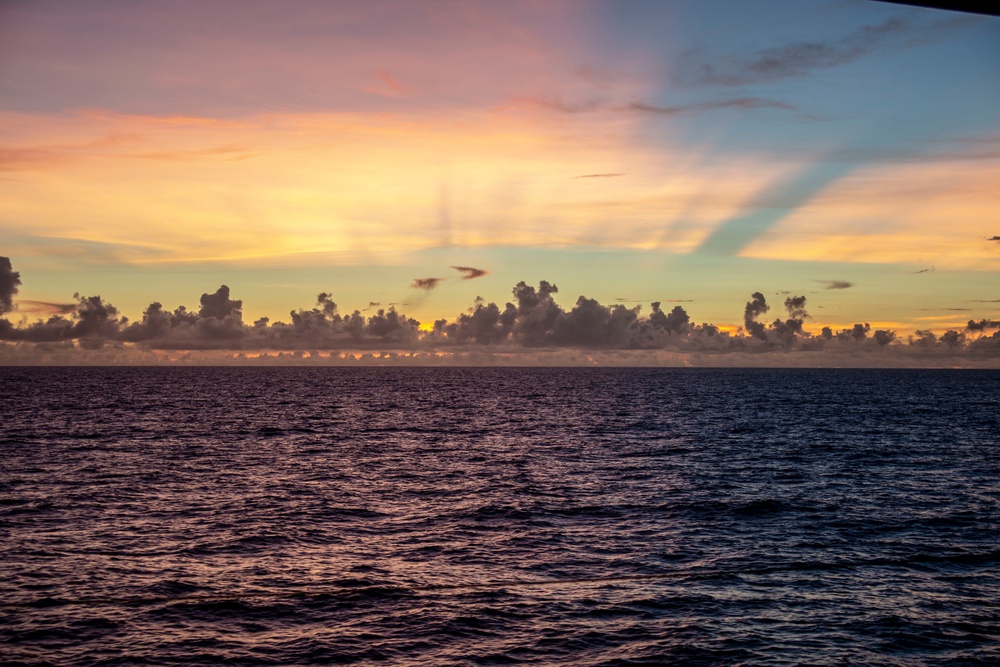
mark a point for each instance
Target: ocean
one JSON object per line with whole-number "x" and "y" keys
{"x": 488, "y": 516}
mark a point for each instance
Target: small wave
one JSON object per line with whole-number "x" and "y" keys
{"x": 718, "y": 509}
{"x": 274, "y": 431}
{"x": 173, "y": 588}
{"x": 657, "y": 453}
{"x": 597, "y": 511}
{"x": 365, "y": 588}
{"x": 763, "y": 507}
{"x": 489, "y": 513}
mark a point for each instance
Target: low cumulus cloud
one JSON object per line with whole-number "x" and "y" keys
{"x": 531, "y": 322}
{"x": 468, "y": 272}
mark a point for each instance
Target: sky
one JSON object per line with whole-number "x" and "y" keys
{"x": 413, "y": 157}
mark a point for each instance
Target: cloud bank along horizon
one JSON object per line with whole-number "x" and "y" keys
{"x": 532, "y": 321}
{"x": 697, "y": 150}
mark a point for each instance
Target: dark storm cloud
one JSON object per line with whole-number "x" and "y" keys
{"x": 93, "y": 323}
{"x": 155, "y": 323}
{"x": 755, "y": 308}
{"x": 953, "y": 338}
{"x": 922, "y": 338}
{"x": 9, "y": 282}
{"x": 469, "y": 272}
{"x": 326, "y": 303}
{"x": 591, "y": 324}
{"x": 884, "y": 337}
{"x": 952, "y": 341}
{"x": 219, "y": 305}
{"x": 532, "y": 320}
{"x": 217, "y": 325}
{"x": 675, "y": 322}
{"x": 982, "y": 325}
{"x": 426, "y": 284}
{"x": 219, "y": 318}
{"x": 485, "y": 324}
{"x": 858, "y": 335}
{"x": 536, "y": 313}
{"x": 858, "y": 332}
{"x": 835, "y": 284}
{"x": 388, "y": 325}
{"x": 698, "y": 67}
{"x": 536, "y": 320}
{"x": 796, "y": 307}
{"x": 52, "y": 330}
{"x": 321, "y": 327}
{"x": 95, "y": 319}
{"x": 786, "y": 331}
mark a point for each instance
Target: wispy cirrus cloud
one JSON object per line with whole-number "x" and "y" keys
{"x": 558, "y": 105}
{"x": 737, "y": 103}
{"x": 230, "y": 152}
{"x": 639, "y": 107}
{"x": 699, "y": 67}
{"x": 390, "y": 81}
{"x": 44, "y": 307}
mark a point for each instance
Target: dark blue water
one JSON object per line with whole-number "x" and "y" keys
{"x": 499, "y": 516}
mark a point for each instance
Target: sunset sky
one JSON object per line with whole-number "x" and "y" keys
{"x": 686, "y": 152}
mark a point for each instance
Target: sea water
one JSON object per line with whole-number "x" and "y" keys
{"x": 483, "y": 516}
